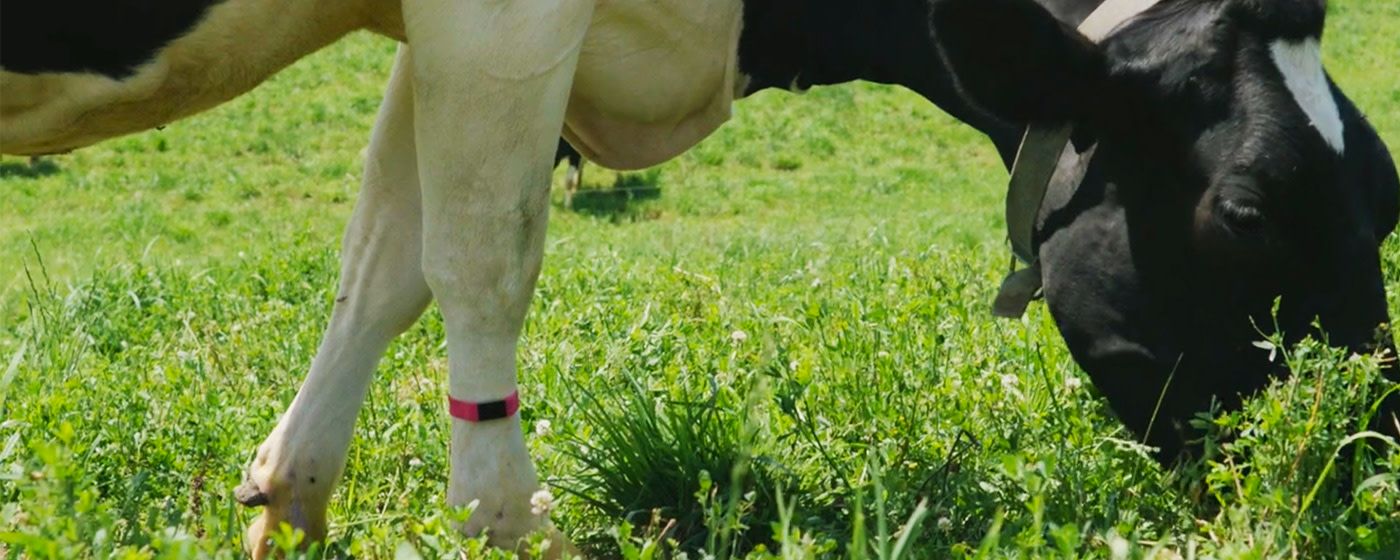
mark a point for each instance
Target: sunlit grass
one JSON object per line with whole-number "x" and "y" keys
{"x": 778, "y": 343}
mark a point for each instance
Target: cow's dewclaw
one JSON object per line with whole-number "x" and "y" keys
{"x": 249, "y": 494}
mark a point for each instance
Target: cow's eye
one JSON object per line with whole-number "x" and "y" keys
{"x": 1241, "y": 216}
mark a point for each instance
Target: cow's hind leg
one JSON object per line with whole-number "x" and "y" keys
{"x": 491, "y": 82}
{"x": 381, "y": 293}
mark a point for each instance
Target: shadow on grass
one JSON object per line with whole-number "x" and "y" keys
{"x": 622, "y": 201}
{"x": 33, "y": 168}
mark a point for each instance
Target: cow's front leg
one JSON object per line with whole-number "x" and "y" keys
{"x": 381, "y": 293}
{"x": 491, "y": 81}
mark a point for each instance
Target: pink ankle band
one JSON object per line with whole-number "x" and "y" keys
{"x": 484, "y": 411}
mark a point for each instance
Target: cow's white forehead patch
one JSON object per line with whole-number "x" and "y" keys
{"x": 1300, "y": 62}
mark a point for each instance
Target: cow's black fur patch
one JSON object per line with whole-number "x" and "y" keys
{"x": 108, "y": 37}
{"x": 798, "y": 44}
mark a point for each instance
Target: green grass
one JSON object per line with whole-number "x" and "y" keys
{"x": 852, "y": 235}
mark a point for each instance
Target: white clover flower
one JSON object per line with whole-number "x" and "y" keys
{"x": 1266, "y": 345}
{"x": 945, "y": 524}
{"x": 1073, "y": 383}
{"x": 1118, "y": 547}
{"x": 738, "y": 336}
{"x": 542, "y": 427}
{"x": 541, "y": 502}
{"x": 1011, "y": 384}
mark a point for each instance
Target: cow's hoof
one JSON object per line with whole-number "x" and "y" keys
{"x": 260, "y": 539}
{"x": 559, "y": 548}
{"x": 516, "y": 530}
{"x": 257, "y": 541}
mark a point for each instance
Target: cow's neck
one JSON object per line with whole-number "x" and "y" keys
{"x": 797, "y": 44}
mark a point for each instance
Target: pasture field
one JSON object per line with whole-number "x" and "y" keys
{"x": 776, "y": 346}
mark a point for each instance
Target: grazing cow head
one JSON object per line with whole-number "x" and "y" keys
{"x": 1227, "y": 173}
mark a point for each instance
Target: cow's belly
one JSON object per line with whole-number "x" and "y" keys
{"x": 237, "y": 45}
{"x": 654, "y": 78}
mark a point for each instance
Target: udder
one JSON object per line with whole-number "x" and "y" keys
{"x": 654, "y": 78}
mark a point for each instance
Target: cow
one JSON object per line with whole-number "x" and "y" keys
{"x": 1226, "y": 171}
{"x": 573, "y": 176}
{"x": 1215, "y": 170}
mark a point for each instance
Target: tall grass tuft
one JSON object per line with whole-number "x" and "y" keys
{"x": 1295, "y": 471}
{"x": 681, "y": 467}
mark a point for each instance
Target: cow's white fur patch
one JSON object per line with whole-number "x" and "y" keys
{"x": 1300, "y": 62}
{"x": 237, "y": 45}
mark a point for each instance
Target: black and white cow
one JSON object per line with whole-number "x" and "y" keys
{"x": 1218, "y": 169}
{"x": 1227, "y": 171}
{"x": 573, "y": 176}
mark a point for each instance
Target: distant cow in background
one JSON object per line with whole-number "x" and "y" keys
{"x": 1226, "y": 171}
{"x": 573, "y": 176}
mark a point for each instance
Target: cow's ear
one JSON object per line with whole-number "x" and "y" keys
{"x": 1017, "y": 61}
